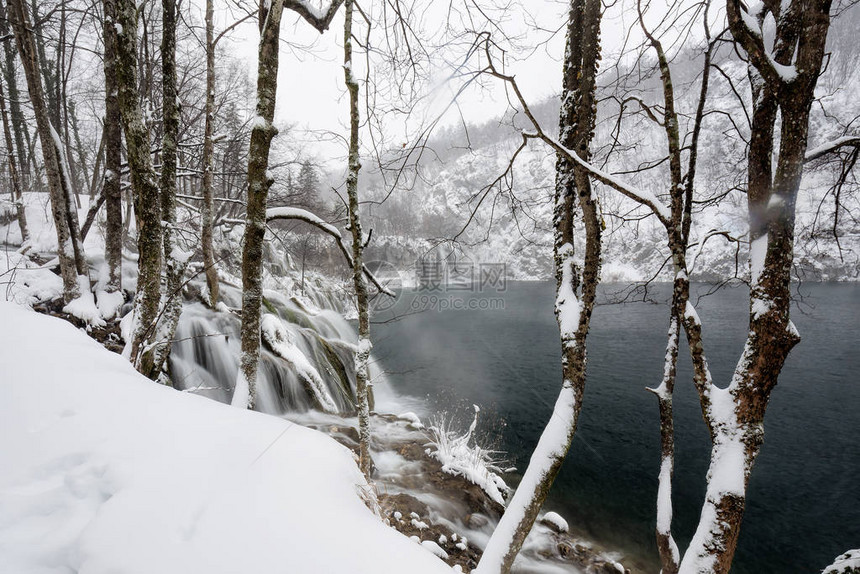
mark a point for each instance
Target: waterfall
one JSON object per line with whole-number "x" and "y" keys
{"x": 205, "y": 354}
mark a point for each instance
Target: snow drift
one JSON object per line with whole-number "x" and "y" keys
{"x": 105, "y": 471}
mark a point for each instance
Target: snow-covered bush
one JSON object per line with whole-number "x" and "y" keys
{"x": 479, "y": 465}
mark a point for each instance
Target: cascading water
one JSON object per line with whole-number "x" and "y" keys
{"x": 205, "y": 354}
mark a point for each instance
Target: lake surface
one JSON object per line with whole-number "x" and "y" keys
{"x": 803, "y": 507}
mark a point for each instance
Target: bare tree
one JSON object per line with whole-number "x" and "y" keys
{"x": 175, "y": 259}
{"x": 147, "y": 203}
{"x": 16, "y": 192}
{"x": 69, "y": 248}
{"x": 783, "y": 77}
{"x": 576, "y": 285}
{"x": 362, "y": 356}
{"x": 112, "y": 189}
{"x": 259, "y": 182}
{"x": 208, "y": 151}
{"x": 19, "y": 126}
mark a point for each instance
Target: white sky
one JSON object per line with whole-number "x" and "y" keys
{"x": 310, "y": 86}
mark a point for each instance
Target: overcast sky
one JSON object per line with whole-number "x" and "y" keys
{"x": 310, "y": 87}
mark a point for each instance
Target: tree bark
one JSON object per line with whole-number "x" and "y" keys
{"x": 677, "y": 231}
{"x": 174, "y": 258}
{"x": 147, "y": 203}
{"x": 575, "y": 287}
{"x": 65, "y": 119}
{"x": 17, "y": 196}
{"x": 362, "y": 356}
{"x": 113, "y": 154}
{"x": 51, "y": 87}
{"x": 208, "y": 152}
{"x": 19, "y": 126}
{"x": 79, "y": 146}
{"x": 259, "y": 182}
{"x": 69, "y": 251}
{"x": 736, "y": 414}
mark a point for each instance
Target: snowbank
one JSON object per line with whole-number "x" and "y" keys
{"x": 105, "y": 471}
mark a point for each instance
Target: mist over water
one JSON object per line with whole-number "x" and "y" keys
{"x": 803, "y": 507}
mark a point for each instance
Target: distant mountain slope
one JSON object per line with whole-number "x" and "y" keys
{"x": 510, "y": 223}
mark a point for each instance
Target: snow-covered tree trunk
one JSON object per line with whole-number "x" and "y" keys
{"x": 784, "y": 77}
{"x": 113, "y": 154}
{"x": 362, "y": 356}
{"x": 677, "y": 230}
{"x": 175, "y": 259}
{"x": 206, "y": 212}
{"x": 576, "y": 286}
{"x": 69, "y": 250}
{"x": 147, "y": 203}
{"x": 15, "y": 191}
{"x": 259, "y": 182}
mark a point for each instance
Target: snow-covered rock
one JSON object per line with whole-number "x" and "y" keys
{"x": 555, "y": 522}
{"x": 435, "y": 549}
{"x": 412, "y": 419}
{"x": 848, "y": 563}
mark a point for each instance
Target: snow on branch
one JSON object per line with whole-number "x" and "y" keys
{"x": 316, "y": 17}
{"x": 746, "y": 30}
{"x": 274, "y": 213}
{"x": 831, "y": 146}
{"x": 643, "y": 197}
{"x": 294, "y": 213}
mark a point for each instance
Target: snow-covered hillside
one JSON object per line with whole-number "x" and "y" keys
{"x": 468, "y": 179}
{"x": 105, "y": 471}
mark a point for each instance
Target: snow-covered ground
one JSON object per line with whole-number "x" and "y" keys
{"x": 105, "y": 471}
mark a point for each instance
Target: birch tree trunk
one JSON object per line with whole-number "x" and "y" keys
{"x": 575, "y": 287}
{"x": 362, "y": 356}
{"x": 147, "y": 203}
{"x": 208, "y": 151}
{"x": 69, "y": 251}
{"x": 113, "y": 154}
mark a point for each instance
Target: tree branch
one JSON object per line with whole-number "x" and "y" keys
{"x": 314, "y": 16}
{"x": 830, "y": 147}
{"x": 293, "y": 213}
{"x": 747, "y": 33}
